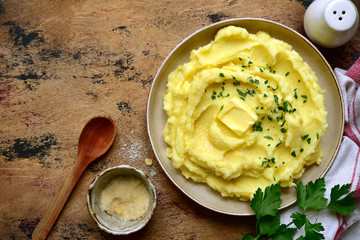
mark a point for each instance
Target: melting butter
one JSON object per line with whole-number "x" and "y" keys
{"x": 237, "y": 115}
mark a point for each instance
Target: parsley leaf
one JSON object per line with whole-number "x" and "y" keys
{"x": 269, "y": 224}
{"x": 299, "y": 219}
{"x": 266, "y": 205}
{"x": 284, "y": 233}
{"x": 313, "y": 196}
{"x": 339, "y": 203}
{"x": 312, "y": 231}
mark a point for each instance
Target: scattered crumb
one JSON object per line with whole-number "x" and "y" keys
{"x": 148, "y": 161}
{"x": 152, "y": 172}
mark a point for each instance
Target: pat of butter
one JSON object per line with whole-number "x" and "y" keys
{"x": 237, "y": 115}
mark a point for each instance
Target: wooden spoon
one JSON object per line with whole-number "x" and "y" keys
{"x": 96, "y": 138}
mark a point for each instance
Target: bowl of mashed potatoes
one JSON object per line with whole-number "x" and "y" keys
{"x": 243, "y": 104}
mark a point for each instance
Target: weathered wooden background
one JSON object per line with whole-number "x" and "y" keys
{"x": 65, "y": 61}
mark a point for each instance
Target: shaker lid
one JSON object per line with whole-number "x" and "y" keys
{"x": 341, "y": 15}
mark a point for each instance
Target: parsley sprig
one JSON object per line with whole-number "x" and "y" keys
{"x": 310, "y": 199}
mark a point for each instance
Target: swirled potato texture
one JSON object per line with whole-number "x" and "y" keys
{"x": 245, "y": 112}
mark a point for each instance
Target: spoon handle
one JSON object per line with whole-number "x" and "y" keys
{"x": 52, "y": 212}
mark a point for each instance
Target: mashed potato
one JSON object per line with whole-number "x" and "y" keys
{"x": 245, "y": 112}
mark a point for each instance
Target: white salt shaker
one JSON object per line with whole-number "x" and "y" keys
{"x": 331, "y": 23}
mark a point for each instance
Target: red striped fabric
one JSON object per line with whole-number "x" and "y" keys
{"x": 352, "y": 130}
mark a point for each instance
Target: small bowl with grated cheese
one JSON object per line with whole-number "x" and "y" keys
{"x": 121, "y": 200}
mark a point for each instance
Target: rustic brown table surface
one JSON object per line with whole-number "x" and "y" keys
{"x": 65, "y": 61}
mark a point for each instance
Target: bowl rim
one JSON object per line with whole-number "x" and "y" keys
{"x": 137, "y": 173}
{"x": 307, "y": 41}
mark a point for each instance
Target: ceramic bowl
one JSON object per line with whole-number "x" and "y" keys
{"x": 112, "y": 224}
{"x": 156, "y": 116}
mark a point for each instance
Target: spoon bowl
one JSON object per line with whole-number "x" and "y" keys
{"x": 95, "y": 139}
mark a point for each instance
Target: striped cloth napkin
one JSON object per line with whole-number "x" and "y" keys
{"x": 346, "y": 166}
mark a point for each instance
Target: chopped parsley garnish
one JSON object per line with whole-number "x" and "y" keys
{"x": 242, "y": 94}
{"x": 237, "y": 83}
{"x": 305, "y": 137}
{"x": 265, "y": 95}
{"x": 293, "y": 154}
{"x": 240, "y": 58}
{"x": 301, "y": 150}
{"x": 276, "y": 99}
{"x": 251, "y": 80}
{"x": 270, "y": 69}
{"x": 266, "y": 81}
{"x": 287, "y": 107}
{"x": 279, "y": 118}
{"x": 274, "y": 89}
{"x": 261, "y": 69}
{"x": 317, "y": 136}
{"x": 295, "y": 94}
{"x": 250, "y": 92}
{"x": 308, "y": 140}
{"x": 274, "y": 111}
{"x": 280, "y": 142}
{"x": 283, "y": 123}
{"x": 233, "y": 77}
{"x": 213, "y": 96}
{"x": 283, "y": 130}
{"x": 221, "y": 75}
{"x": 257, "y": 127}
{"x": 222, "y": 107}
{"x": 267, "y": 161}
{"x": 269, "y": 137}
{"x": 287, "y": 74}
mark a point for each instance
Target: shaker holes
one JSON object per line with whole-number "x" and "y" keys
{"x": 343, "y": 13}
